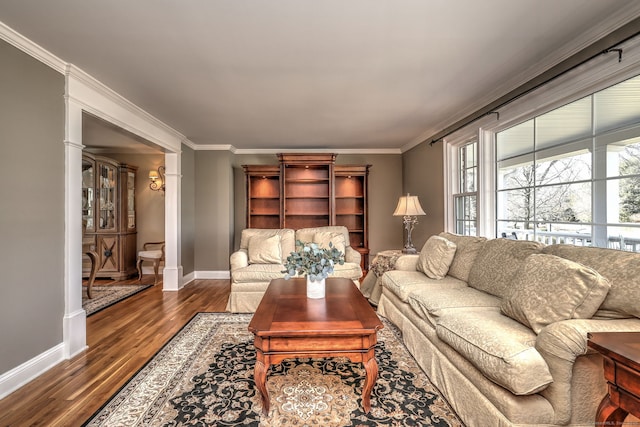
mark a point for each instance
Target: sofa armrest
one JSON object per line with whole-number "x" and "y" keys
{"x": 351, "y": 255}
{"x": 560, "y": 344}
{"x": 568, "y": 339}
{"x": 239, "y": 259}
{"x": 407, "y": 263}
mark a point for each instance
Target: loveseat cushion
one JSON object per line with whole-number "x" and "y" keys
{"x": 621, "y": 268}
{"x": 258, "y": 273}
{"x": 323, "y": 238}
{"x": 401, "y": 283}
{"x": 436, "y": 256}
{"x": 265, "y": 250}
{"x": 287, "y": 239}
{"x": 467, "y": 249}
{"x": 497, "y": 263}
{"x": 499, "y": 347}
{"x": 433, "y": 303}
{"x": 548, "y": 289}
{"x": 348, "y": 270}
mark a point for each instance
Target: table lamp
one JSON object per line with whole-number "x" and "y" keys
{"x": 409, "y": 208}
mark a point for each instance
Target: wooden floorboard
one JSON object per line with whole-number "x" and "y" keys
{"x": 120, "y": 339}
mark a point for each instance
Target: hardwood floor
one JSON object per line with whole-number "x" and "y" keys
{"x": 121, "y": 339}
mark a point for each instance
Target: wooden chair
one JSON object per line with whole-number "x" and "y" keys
{"x": 93, "y": 257}
{"x": 151, "y": 255}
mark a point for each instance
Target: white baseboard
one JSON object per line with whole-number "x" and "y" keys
{"x": 219, "y": 275}
{"x": 17, "y": 377}
{"x": 188, "y": 279}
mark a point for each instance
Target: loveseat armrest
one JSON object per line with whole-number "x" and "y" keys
{"x": 560, "y": 344}
{"x": 351, "y": 255}
{"x": 239, "y": 259}
{"x": 407, "y": 263}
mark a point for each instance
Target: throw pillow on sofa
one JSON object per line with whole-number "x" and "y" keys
{"x": 436, "y": 257}
{"x": 322, "y": 239}
{"x": 548, "y": 289}
{"x": 264, "y": 251}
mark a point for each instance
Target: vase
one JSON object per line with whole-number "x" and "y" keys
{"x": 315, "y": 289}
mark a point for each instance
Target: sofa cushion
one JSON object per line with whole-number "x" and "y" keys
{"x": 436, "y": 256}
{"x": 323, "y": 238}
{"x": 499, "y": 347}
{"x": 433, "y": 303}
{"x": 265, "y": 250}
{"x": 402, "y": 283}
{"x": 547, "y": 289}
{"x": 467, "y": 249}
{"x": 258, "y": 273}
{"x": 621, "y": 268}
{"x": 498, "y": 261}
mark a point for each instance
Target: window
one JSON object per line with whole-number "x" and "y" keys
{"x": 572, "y": 175}
{"x": 465, "y": 200}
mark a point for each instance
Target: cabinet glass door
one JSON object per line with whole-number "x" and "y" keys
{"x": 88, "y": 196}
{"x": 107, "y": 196}
{"x": 131, "y": 200}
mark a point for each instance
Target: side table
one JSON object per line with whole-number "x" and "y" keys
{"x": 621, "y": 353}
{"x": 383, "y": 261}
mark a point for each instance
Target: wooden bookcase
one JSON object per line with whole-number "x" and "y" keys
{"x": 307, "y": 190}
{"x": 310, "y": 190}
{"x": 351, "y": 207}
{"x": 263, "y": 196}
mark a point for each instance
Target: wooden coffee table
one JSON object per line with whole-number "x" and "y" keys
{"x": 288, "y": 325}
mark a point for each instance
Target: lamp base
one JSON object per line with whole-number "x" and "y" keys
{"x": 410, "y": 251}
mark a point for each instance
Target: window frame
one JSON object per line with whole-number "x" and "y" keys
{"x": 585, "y": 80}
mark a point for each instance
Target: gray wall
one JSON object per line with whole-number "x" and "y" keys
{"x": 32, "y": 213}
{"x": 422, "y": 170}
{"x": 188, "y": 212}
{"x": 214, "y": 222}
{"x": 149, "y": 203}
{"x": 385, "y": 186}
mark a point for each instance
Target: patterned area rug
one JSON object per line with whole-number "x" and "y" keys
{"x": 104, "y": 296}
{"x": 204, "y": 377}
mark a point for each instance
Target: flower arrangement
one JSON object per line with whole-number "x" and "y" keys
{"x": 312, "y": 261}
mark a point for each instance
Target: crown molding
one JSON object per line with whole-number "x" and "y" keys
{"x": 19, "y": 41}
{"x": 234, "y": 150}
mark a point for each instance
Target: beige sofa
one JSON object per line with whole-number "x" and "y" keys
{"x": 497, "y": 371}
{"x": 263, "y": 252}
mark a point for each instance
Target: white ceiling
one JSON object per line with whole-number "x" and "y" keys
{"x": 321, "y": 74}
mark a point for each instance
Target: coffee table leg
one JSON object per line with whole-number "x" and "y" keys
{"x": 371, "y": 368}
{"x": 260, "y": 378}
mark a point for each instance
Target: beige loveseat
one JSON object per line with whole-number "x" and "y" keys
{"x": 263, "y": 252}
{"x": 497, "y": 371}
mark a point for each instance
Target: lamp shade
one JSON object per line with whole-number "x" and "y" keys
{"x": 153, "y": 175}
{"x": 408, "y": 206}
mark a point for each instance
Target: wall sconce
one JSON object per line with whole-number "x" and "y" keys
{"x": 157, "y": 179}
{"x": 409, "y": 208}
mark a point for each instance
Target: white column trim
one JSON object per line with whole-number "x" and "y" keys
{"x": 85, "y": 94}
{"x": 172, "y": 274}
{"x": 74, "y": 320}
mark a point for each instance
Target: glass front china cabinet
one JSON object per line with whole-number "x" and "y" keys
{"x": 109, "y": 216}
